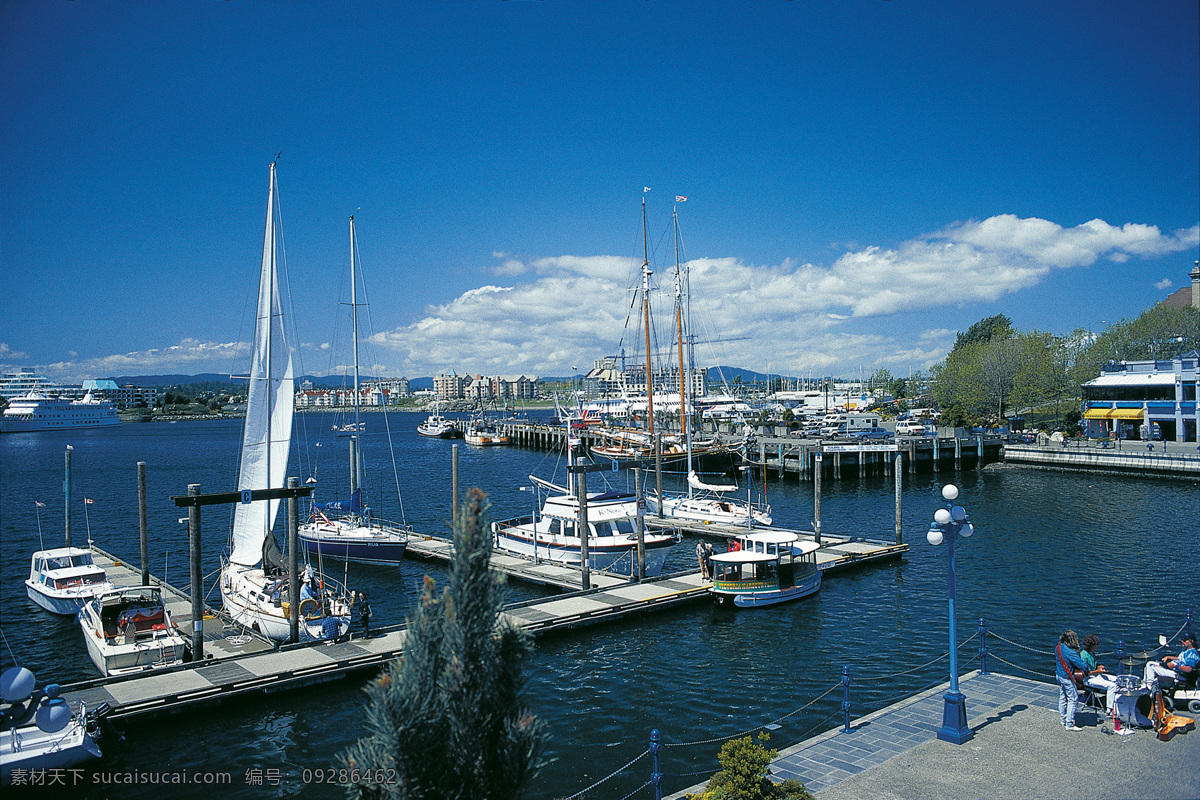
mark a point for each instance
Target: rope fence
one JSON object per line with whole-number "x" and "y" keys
{"x": 982, "y": 634}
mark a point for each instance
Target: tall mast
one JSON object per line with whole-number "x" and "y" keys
{"x": 646, "y": 273}
{"x": 685, "y": 423}
{"x": 357, "y": 466}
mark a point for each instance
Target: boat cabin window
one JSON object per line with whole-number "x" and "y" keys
{"x": 82, "y": 560}
{"x": 624, "y": 526}
{"x": 555, "y": 527}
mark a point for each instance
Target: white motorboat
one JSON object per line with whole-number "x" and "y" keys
{"x": 764, "y": 569}
{"x": 254, "y": 581}
{"x": 612, "y": 536}
{"x": 39, "y": 730}
{"x": 61, "y": 580}
{"x": 436, "y": 426}
{"x": 39, "y": 412}
{"x": 346, "y": 530}
{"x": 129, "y": 630}
{"x": 481, "y": 433}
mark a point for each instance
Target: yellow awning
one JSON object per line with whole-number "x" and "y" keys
{"x": 1113, "y": 413}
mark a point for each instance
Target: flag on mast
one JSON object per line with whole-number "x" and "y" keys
{"x": 39, "y": 504}
{"x": 89, "y": 501}
{"x": 680, "y": 198}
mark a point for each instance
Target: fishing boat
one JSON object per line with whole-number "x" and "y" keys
{"x": 39, "y": 412}
{"x": 612, "y": 536}
{"x": 254, "y": 580}
{"x": 346, "y": 529}
{"x": 39, "y": 730}
{"x": 129, "y": 630}
{"x": 482, "y": 433}
{"x": 766, "y": 568}
{"x": 63, "y": 579}
{"x": 436, "y": 426}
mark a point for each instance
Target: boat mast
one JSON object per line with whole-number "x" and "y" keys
{"x": 685, "y": 422}
{"x": 356, "y": 467}
{"x": 646, "y": 273}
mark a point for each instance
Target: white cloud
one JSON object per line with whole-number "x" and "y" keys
{"x": 8, "y": 352}
{"x": 1165, "y": 283}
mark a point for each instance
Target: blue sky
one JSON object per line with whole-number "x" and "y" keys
{"x": 864, "y": 178}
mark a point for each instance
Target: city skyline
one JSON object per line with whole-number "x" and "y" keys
{"x": 862, "y": 180}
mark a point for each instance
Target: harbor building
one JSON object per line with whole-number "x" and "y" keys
{"x": 1144, "y": 400}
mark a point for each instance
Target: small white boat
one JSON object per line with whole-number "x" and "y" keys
{"x": 436, "y": 426}
{"x": 553, "y": 535}
{"x": 61, "y": 580}
{"x": 129, "y": 630}
{"x": 765, "y": 569}
{"x": 39, "y": 730}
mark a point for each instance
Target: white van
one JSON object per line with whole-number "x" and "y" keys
{"x": 909, "y": 427}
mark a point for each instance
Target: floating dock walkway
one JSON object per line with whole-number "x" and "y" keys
{"x": 242, "y": 662}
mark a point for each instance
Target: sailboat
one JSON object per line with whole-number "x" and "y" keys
{"x": 254, "y": 580}
{"x": 346, "y": 529}
{"x": 704, "y": 502}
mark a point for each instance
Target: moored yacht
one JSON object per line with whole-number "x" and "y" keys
{"x": 61, "y": 580}
{"x": 128, "y": 630}
{"x": 766, "y": 568}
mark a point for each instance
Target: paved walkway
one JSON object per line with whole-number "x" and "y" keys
{"x": 1019, "y": 750}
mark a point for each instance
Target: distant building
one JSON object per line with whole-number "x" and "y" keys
{"x": 24, "y": 381}
{"x": 484, "y": 388}
{"x": 1144, "y": 399}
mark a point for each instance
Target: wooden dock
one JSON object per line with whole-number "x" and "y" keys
{"x": 238, "y": 662}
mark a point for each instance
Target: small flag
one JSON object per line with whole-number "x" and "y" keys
{"x": 645, "y": 189}
{"x": 39, "y": 504}
{"x": 70, "y": 448}
{"x": 88, "y": 500}
{"x": 680, "y": 198}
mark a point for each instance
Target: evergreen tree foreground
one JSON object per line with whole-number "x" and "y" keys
{"x": 445, "y": 720}
{"x": 745, "y": 767}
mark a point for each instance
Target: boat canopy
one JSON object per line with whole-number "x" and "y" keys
{"x": 695, "y": 482}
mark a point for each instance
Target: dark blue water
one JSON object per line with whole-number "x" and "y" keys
{"x": 1110, "y": 555}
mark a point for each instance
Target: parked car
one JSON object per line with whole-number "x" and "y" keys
{"x": 871, "y": 433}
{"x": 906, "y": 427}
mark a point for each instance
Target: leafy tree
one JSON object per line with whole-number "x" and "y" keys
{"x": 899, "y": 388}
{"x": 986, "y": 330}
{"x": 446, "y": 716}
{"x": 1160, "y": 331}
{"x": 745, "y": 767}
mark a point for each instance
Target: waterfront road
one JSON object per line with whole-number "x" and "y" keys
{"x": 1019, "y": 750}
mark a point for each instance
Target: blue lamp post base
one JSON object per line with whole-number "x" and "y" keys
{"x": 954, "y": 719}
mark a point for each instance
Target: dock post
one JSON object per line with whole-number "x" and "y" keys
{"x": 979, "y": 452}
{"x": 780, "y": 476}
{"x": 142, "y": 529}
{"x": 67, "y": 495}
{"x": 584, "y": 558}
{"x": 837, "y": 466}
{"x": 294, "y": 563}
{"x": 912, "y": 457}
{"x": 983, "y": 670}
{"x": 762, "y": 459}
{"x": 354, "y": 465}
{"x": 196, "y": 575}
{"x": 957, "y": 452}
{"x": 937, "y": 449}
{"x": 658, "y": 469}
{"x": 899, "y": 522}
{"x": 641, "y": 524}
{"x": 656, "y": 775}
{"x": 845, "y": 698}
{"x": 817, "y": 496}
{"x": 454, "y": 486}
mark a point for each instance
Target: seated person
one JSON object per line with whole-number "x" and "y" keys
{"x": 306, "y": 591}
{"x": 1181, "y": 668}
{"x": 329, "y": 629}
{"x": 1098, "y": 678}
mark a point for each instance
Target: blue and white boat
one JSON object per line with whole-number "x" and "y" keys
{"x": 39, "y": 412}
{"x": 63, "y": 579}
{"x": 764, "y": 569}
{"x": 39, "y": 731}
{"x": 346, "y": 529}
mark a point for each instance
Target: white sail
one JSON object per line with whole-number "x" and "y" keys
{"x": 695, "y": 482}
{"x": 266, "y": 440}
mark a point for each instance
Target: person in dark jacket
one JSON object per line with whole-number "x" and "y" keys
{"x": 364, "y": 615}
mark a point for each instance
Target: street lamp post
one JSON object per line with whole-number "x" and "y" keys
{"x": 948, "y": 524}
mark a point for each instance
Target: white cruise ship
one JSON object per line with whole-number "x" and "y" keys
{"x": 39, "y": 412}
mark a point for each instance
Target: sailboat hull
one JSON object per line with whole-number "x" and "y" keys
{"x": 247, "y": 599}
{"x": 350, "y": 542}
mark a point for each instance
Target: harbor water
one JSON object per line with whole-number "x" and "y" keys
{"x": 1111, "y": 555}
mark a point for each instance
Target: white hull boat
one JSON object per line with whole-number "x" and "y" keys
{"x": 129, "y": 630}
{"x": 40, "y": 731}
{"x": 37, "y": 412}
{"x": 766, "y": 569}
{"x": 63, "y": 579}
{"x": 254, "y": 582}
